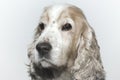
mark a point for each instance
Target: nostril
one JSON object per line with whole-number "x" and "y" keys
{"x": 38, "y": 47}
{"x": 43, "y": 48}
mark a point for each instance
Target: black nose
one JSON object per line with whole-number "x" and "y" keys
{"x": 43, "y": 48}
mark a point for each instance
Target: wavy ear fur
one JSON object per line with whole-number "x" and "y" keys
{"x": 30, "y": 52}
{"x": 87, "y": 65}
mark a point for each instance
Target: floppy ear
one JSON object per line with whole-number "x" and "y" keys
{"x": 31, "y": 52}
{"x": 87, "y": 65}
{"x": 32, "y": 46}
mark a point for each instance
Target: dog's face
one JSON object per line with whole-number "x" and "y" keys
{"x": 64, "y": 47}
{"x": 56, "y": 36}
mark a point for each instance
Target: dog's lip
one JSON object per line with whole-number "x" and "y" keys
{"x": 44, "y": 59}
{"x": 47, "y": 61}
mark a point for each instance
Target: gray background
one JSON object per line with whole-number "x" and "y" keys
{"x": 18, "y": 18}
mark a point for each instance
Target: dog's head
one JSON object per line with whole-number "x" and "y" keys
{"x": 62, "y": 30}
{"x": 63, "y": 38}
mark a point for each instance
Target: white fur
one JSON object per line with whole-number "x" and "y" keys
{"x": 76, "y": 50}
{"x": 53, "y": 32}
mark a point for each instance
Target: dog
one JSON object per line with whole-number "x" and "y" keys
{"x": 64, "y": 47}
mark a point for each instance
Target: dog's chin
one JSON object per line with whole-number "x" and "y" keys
{"x": 46, "y": 64}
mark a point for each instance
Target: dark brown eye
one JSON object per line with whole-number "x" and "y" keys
{"x": 42, "y": 26}
{"x": 66, "y": 27}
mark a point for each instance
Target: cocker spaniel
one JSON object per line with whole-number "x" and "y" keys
{"x": 64, "y": 47}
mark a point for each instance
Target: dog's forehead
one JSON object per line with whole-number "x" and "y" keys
{"x": 55, "y": 11}
{"x": 52, "y": 13}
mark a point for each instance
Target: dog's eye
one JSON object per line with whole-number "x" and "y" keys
{"x": 42, "y": 26}
{"x": 66, "y": 27}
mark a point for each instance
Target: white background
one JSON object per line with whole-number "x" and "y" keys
{"x": 18, "y": 18}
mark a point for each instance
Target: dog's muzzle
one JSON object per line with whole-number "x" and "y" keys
{"x": 43, "y": 48}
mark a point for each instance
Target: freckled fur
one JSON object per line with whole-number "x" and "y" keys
{"x": 75, "y": 54}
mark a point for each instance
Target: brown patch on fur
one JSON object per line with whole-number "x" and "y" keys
{"x": 45, "y": 16}
{"x": 77, "y": 16}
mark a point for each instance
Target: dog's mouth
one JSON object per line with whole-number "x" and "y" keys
{"x": 48, "y": 72}
{"x": 46, "y": 63}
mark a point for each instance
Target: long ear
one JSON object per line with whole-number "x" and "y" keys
{"x": 87, "y": 65}
{"x": 31, "y": 48}
{"x": 31, "y": 52}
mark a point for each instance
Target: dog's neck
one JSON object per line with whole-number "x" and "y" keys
{"x": 41, "y": 73}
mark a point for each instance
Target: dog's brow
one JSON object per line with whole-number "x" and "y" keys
{"x": 60, "y": 16}
{"x": 45, "y": 15}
